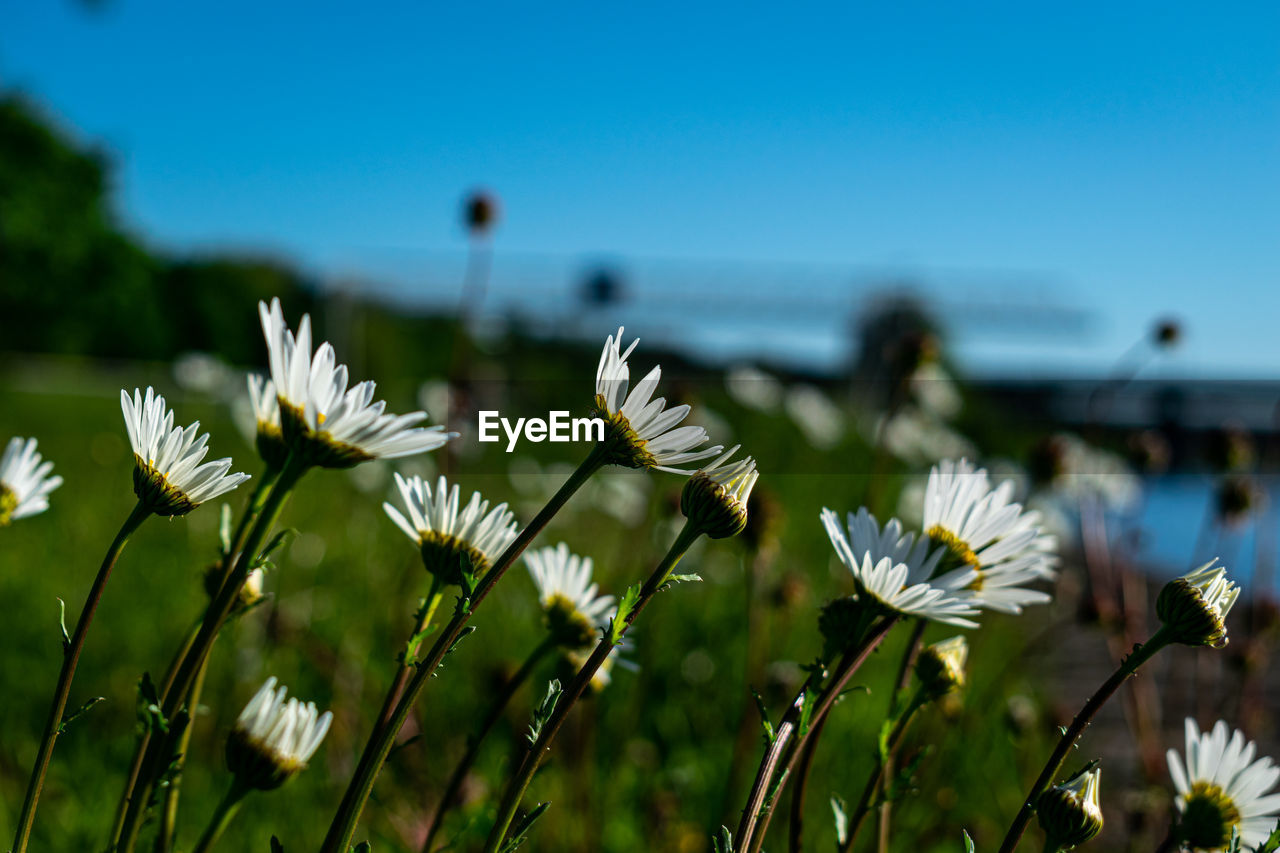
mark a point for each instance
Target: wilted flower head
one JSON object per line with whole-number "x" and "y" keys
{"x": 715, "y": 498}
{"x": 1194, "y": 607}
{"x": 273, "y": 740}
{"x": 268, "y": 435}
{"x": 940, "y": 666}
{"x": 1221, "y": 787}
{"x": 980, "y": 528}
{"x": 329, "y": 424}
{"x": 167, "y": 475}
{"x": 573, "y": 609}
{"x": 641, "y": 432}
{"x": 448, "y": 532}
{"x": 25, "y": 483}
{"x": 1069, "y": 812}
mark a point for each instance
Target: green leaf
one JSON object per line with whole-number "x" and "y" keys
{"x": 882, "y": 740}
{"x": 224, "y": 530}
{"x": 672, "y": 580}
{"x": 806, "y": 711}
{"x": 627, "y": 605}
{"x": 62, "y": 623}
{"x": 839, "y": 811}
{"x": 769, "y": 734}
{"x": 276, "y": 846}
{"x": 968, "y": 842}
{"x": 363, "y": 847}
{"x": 68, "y": 719}
{"x": 723, "y": 841}
{"x": 1272, "y": 844}
{"x": 544, "y": 711}
{"x": 901, "y": 783}
{"x": 409, "y": 656}
{"x": 151, "y": 717}
{"x": 276, "y": 542}
{"x": 520, "y": 832}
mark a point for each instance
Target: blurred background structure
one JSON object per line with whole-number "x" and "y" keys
{"x": 859, "y": 239}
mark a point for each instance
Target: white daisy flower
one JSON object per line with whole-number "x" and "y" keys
{"x": 446, "y": 531}
{"x": 981, "y": 528}
{"x": 273, "y": 740}
{"x": 332, "y": 425}
{"x": 167, "y": 473}
{"x": 940, "y": 666}
{"x": 1221, "y": 787}
{"x": 881, "y": 573}
{"x": 571, "y": 602}
{"x": 1195, "y": 607}
{"x": 715, "y": 498}
{"x": 641, "y": 432}
{"x": 25, "y": 483}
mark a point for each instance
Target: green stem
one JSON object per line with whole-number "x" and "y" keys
{"x": 1051, "y": 845}
{"x": 70, "y": 659}
{"x": 876, "y": 780}
{"x": 215, "y": 616}
{"x": 468, "y": 761}
{"x": 783, "y": 754}
{"x": 426, "y": 613}
{"x": 169, "y": 813}
{"x": 905, "y": 666}
{"x": 343, "y": 827}
{"x": 1140, "y": 655}
{"x": 254, "y": 505}
{"x": 222, "y": 816}
{"x": 533, "y": 756}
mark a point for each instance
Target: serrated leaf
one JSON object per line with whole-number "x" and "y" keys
{"x": 627, "y": 604}
{"x": 68, "y": 719}
{"x": 968, "y": 842}
{"x": 409, "y": 656}
{"x": 769, "y": 734}
{"x": 520, "y": 832}
{"x": 1272, "y": 844}
{"x": 62, "y": 623}
{"x": 544, "y": 711}
{"x": 839, "y": 811}
{"x": 672, "y": 580}
{"x": 224, "y": 530}
{"x": 1234, "y": 845}
{"x": 722, "y": 842}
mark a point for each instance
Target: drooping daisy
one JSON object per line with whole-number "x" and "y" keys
{"x": 273, "y": 740}
{"x": 899, "y": 586}
{"x": 268, "y": 434}
{"x": 167, "y": 474}
{"x": 1194, "y": 608}
{"x": 25, "y": 483}
{"x": 446, "y": 531}
{"x": 641, "y": 432}
{"x": 1221, "y": 787}
{"x": 330, "y": 424}
{"x": 574, "y": 610}
{"x": 981, "y": 528}
{"x": 715, "y": 498}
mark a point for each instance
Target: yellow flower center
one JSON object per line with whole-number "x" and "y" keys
{"x": 8, "y": 503}
{"x": 1208, "y": 817}
{"x": 959, "y": 554}
{"x": 567, "y": 624}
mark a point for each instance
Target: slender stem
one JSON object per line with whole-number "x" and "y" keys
{"x": 533, "y": 756}
{"x": 468, "y": 761}
{"x": 885, "y": 815}
{"x": 426, "y": 613}
{"x": 381, "y": 739}
{"x": 874, "y": 782}
{"x": 1140, "y": 655}
{"x": 780, "y": 759}
{"x": 795, "y": 841}
{"x": 70, "y": 658}
{"x": 222, "y": 816}
{"x": 169, "y": 813}
{"x": 259, "y": 495}
{"x": 215, "y": 616}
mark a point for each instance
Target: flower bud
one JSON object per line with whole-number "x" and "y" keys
{"x": 1194, "y": 608}
{"x": 272, "y": 740}
{"x": 250, "y": 592}
{"x": 940, "y": 667}
{"x": 715, "y": 498}
{"x": 1069, "y": 813}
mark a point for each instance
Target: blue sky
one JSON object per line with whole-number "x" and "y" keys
{"x": 1125, "y": 153}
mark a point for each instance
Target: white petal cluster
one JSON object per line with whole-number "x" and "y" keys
{"x": 25, "y": 483}
{"x": 440, "y": 517}
{"x": 1217, "y": 591}
{"x": 563, "y": 576}
{"x": 286, "y": 733}
{"x": 168, "y": 458}
{"x": 654, "y": 425}
{"x": 881, "y": 571}
{"x": 266, "y": 406}
{"x": 342, "y": 425}
{"x": 983, "y": 528}
{"x": 1220, "y": 772}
